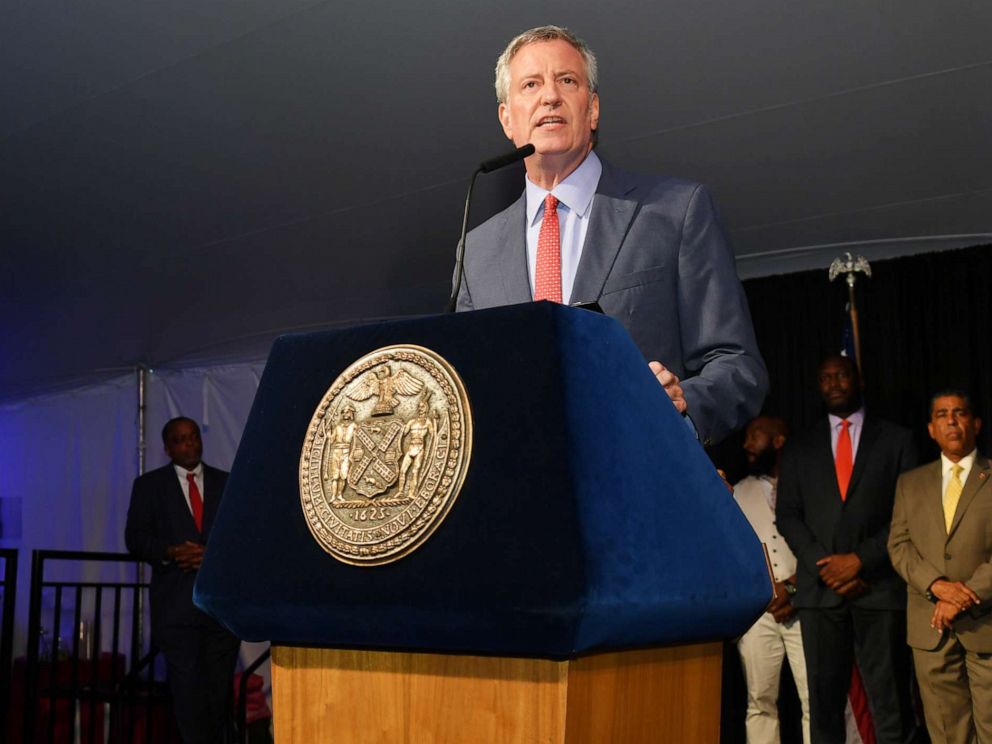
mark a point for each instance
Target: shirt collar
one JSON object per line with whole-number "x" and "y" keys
{"x": 965, "y": 462}
{"x": 181, "y": 471}
{"x": 575, "y": 192}
{"x": 856, "y": 419}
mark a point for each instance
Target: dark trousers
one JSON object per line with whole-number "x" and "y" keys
{"x": 832, "y": 639}
{"x": 200, "y": 662}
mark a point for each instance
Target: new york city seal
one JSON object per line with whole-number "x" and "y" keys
{"x": 385, "y": 455}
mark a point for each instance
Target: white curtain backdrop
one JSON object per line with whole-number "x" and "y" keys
{"x": 67, "y": 461}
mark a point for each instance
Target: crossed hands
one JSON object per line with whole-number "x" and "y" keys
{"x": 953, "y": 598}
{"x": 840, "y": 573}
{"x": 187, "y": 555}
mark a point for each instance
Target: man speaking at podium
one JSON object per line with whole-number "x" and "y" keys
{"x": 649, "y": 249}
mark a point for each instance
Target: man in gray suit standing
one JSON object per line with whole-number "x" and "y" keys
{"x": 649, "y": 249}
{"x": 941, "y": 544}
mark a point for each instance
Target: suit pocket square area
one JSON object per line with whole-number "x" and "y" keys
{"x": 634, "y": 279}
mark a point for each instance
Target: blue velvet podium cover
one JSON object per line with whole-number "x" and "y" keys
{"x": 590, "y": 517}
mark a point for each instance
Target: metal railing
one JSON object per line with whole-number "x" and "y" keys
{"x": 243, "y": 694}
{"x": 104, "y": 683}
{"x": 8, "y": 587}
{"x": 72, "y": 686}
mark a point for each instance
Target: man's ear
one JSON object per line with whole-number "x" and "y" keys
{"x": 504, "y": 120}
{"x": 594, "y": 112}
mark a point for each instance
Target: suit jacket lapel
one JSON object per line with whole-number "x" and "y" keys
{"x": 613, "y": 209}
{"x": 978, "y": 478}
{"x": 824, "y": 459}
{"x": 932, "y": 505}
{"x": 211, "y": 499}
{"x": 869, "y": 433}
{"x": 511, "y": 253}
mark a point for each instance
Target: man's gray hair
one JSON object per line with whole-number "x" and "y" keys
{"x": 543, "y": 33}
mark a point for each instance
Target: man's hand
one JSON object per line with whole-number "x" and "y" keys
{"x": 943, "y": 615}
{"x": 785, "y": 613}
{"x": 956, "y": 593}
{"x": 839, "y": 569}
{"x": 671, "y": 384}
{"x": 852, "y": 589}
{"x": 188, "y": 555}
{"x": 781, "y": 604}
{"x": 723, "y": 476}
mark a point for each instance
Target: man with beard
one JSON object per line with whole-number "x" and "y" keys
{"x": 776, "y": 634}
{"x": 835, "y": 492}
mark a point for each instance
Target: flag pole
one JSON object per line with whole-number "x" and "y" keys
{"x": 851, "y": 266}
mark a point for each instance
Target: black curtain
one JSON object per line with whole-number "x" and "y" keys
{"x": 926, "y": 324}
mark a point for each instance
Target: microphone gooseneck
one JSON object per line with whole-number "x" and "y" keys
{"x": 486, "y": 166}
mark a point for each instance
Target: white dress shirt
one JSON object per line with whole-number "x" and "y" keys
{"x": 197, "y": 476}
{"x": 947, "y": 467}
{"x": 755, "y": 498}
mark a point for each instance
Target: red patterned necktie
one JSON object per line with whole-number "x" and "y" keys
{"x": 844, "y": 459}
{"x": 547, "y": 277}
{"x": 195, "y": 501}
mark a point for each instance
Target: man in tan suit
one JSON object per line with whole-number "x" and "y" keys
{"x": 941, "y": 544}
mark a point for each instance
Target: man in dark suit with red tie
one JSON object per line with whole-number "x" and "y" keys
{"x": 835, "y": 494}
{"x": 168, "y": 523}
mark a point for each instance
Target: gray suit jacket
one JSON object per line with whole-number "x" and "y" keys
{"x": 922, "y": 551}
{"x": 656, "y": 260}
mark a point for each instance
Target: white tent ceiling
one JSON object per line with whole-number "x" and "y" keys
{"x": 186, "y": 178}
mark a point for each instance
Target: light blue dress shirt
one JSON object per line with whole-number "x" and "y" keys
{"x": 575, "y": 195}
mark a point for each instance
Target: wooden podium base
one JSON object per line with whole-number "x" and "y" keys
{"x": 373, "y": 697}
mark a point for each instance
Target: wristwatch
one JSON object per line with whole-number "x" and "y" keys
{"x": 790, "y": 588}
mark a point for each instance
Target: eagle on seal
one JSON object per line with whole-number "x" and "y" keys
{"x": 383, "y": 383}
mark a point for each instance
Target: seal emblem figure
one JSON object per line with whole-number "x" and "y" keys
{"x": 385, "y": 455}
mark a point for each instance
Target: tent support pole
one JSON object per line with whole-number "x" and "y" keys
{"x": 142, "y": 374}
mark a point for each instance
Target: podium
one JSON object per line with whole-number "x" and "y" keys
{"x": 577, "y": 589}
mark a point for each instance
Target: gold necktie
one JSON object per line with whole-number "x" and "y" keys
{"x": 952, "y": 495}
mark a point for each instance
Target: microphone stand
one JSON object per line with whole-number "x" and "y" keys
{"x": 460, "y": 250}
{"x": 486, "y": 166}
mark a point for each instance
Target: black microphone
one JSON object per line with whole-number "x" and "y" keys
{"x": 486, "y": 166}
{"x": 501, "y": 161}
